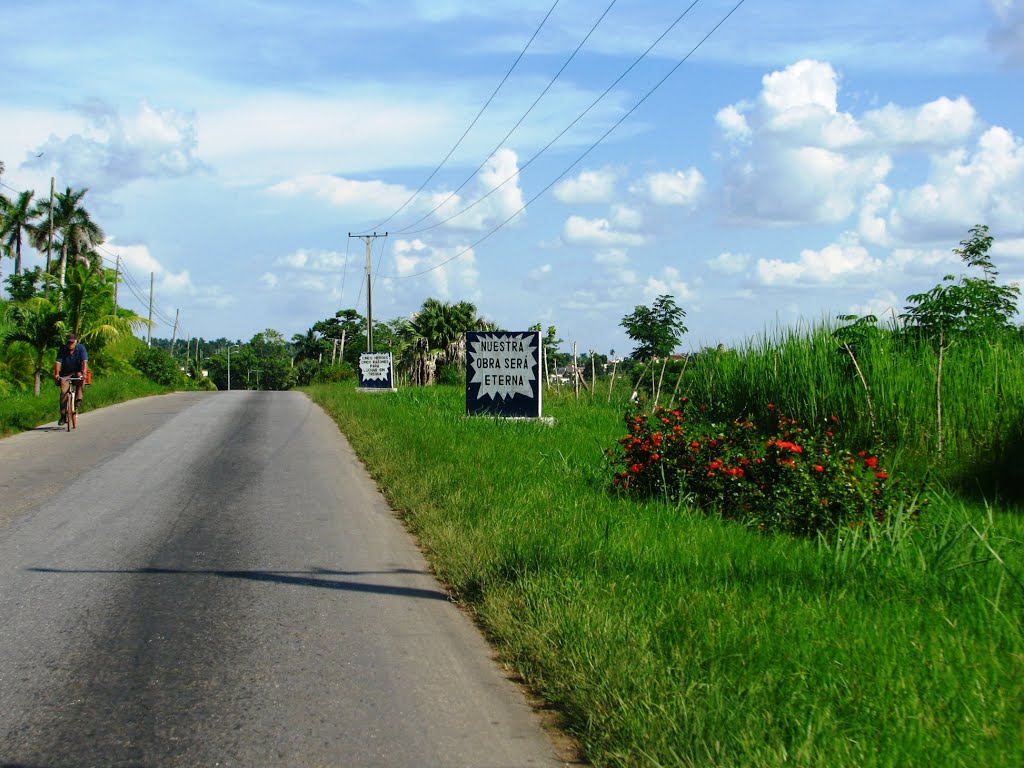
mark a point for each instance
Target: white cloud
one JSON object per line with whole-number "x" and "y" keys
{"x": 113, "y": 150}
{"x": 682, "y": 188}
{"x": 269, "y": 279}
{"x": 496, "y": 198}
{"x": 341, "y": 192}
{"x": 733, "y": 123}
{"x": 667, "y": 281}
{"x": 612, "y": 256}
{"x": 873, "y": 227}
{"x": 797, "y": 158}
{"x": 831, "y": 263}
{"x": 589, "y": 187}
{"x": 624, "y": 216}
{"x": 309, "y": 260}
{"x": 451, "y": 270}
{"x": 884, "y": 306}
{"x": 540, "y": 273}
{"x": 940, "y": 123}
{"x": 730, "y": 263}
{"x": 963, "y": 189}
{"x": 582, "y": 231}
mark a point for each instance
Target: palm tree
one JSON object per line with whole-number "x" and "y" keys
{"x": 307, "y": 345}
{"x": 438, "y": 337}
{"x": 16, "y": 218}
{"x": 89, "y": 307}
{"x": 79, "y": 234}
{"x": 39, "y": 324}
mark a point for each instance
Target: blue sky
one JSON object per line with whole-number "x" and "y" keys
{"x": 809, "y": 159}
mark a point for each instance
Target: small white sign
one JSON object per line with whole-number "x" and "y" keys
{"x": 375, "y": 366}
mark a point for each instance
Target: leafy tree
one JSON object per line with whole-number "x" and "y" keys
{"x": 346, "y": 324}
{"x": 975, "y": 305}
{"x": 657, "y": 329}
{"x": 156, "y": 365}
{"x": 268, "y": 362}
{"x": 26, "y": 285}
{"x": 39, "y": 324}
{"x": 970, "y": 304}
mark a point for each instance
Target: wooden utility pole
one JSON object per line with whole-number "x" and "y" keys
{"x": 149, "y": 331}
{"x": 369, "y": 288}
{"x": 49, "y": 238}
{"x": 117, "y": 277}
{"x": 174, "y": 333}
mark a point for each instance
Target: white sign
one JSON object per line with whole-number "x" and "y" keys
{"x": 375, "y": 366}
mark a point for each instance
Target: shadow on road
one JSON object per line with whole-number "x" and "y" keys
{"x": 299, "y": 578}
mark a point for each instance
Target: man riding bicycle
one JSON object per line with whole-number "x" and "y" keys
{"x": 72, "y": 359}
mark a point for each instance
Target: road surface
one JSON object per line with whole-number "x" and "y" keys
{"x": 208, "y": 579}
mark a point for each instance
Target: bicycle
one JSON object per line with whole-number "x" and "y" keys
{"x": 69, "y": 400}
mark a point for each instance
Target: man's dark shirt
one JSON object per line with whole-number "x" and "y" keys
{"x": 71, "y": 362}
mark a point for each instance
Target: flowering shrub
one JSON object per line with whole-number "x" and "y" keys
{"x": 779, "y": 476}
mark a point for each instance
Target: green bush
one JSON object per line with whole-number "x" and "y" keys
{"x": 778, "y": 476}
{"x": 452, "y": 375}
{"x": 157, "y": 366}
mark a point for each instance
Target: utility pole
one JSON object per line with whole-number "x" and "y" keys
{"x": 117, "y": 277}
{"x": 174, "y": 333}
{"x": 49, "y": 238}
{"x": 149, "y": 331}
{"x": 369, "y": 288}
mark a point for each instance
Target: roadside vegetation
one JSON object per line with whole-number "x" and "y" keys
{"x": 861, "y": 604}
{"x": 808, "y": 550}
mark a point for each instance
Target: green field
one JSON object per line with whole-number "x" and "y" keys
{"x": 665, "y": 636}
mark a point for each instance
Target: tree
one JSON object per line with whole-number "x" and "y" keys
{"x": 79, "y": 234}
{"x": 88, "y": 301}
{"x": 436, "y": 336}
{"x": 970, "y": 304}
{"x": 975, "y": 305}
{"x": 15, "y": 220}
{"x": 267, "y": 362}
{"x": 39, "y": 324}
{"x": 656, "y": 330}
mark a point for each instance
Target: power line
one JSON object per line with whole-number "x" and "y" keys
{"x": 565, "y": 130}
{"x": 475, "y": 119}
{"x": 578, "y": 159}
{"x": 514, "y": 127}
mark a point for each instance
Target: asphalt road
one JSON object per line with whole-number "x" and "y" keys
{"x": 211, "y": 579}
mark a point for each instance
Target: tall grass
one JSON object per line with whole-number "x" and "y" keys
{"x": 808, "y": 375}
{"x": 666, "y": 637}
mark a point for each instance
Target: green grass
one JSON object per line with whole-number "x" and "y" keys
{"x": 808, "y": 376}
{"x": 666, "y": 637}
{"x": 21, "y": 411}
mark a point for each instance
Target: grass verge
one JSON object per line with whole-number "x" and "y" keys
{"x": 23, "y": 410}
{"x": 666, "y": 637}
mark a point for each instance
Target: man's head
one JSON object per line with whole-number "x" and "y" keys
{"x": 72, "y": 340}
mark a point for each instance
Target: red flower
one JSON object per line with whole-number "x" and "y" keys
{"x": 654, "y": 457}
{"x": 871, "y": 462}
{"x": 818, "y": 468}
{"x": 636, "y": 468}
{"x": 695, "y": 445}
{"x": 881, "y": 475}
